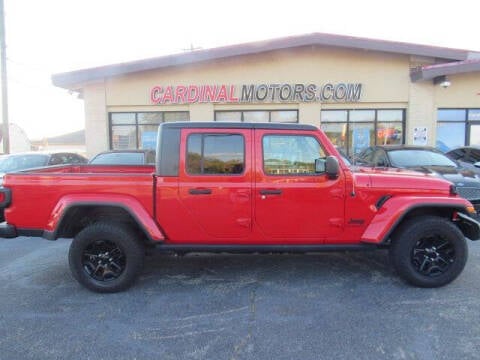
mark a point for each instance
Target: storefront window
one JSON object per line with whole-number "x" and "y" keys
{"x": 139, "y": 130}
{"x": 474, "y": 114}
{"x": 450, "y": 135}
{"x": 124, "y": 137}
{"x": 355, "y": 130}
{"x": 284, "y": 116}
{"x": 230, "y": 116}
{"x": 361, "y": 136}
{"x": 457, "y": 127}
{"x": 389, "y": 133}
{"x": 334, "y": 116}
{"x": 362, "y": 115}
{"x": 255, "y": 116}
{"x": 451, "y": 114}
{"x": 337, "y": 133}
{"x": 122, "y": 118}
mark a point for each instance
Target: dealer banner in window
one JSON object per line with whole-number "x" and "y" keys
{"x": 361, "y": 139}
{"x": 420, "y": 136}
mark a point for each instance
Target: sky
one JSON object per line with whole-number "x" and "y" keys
{"x": 52, "y": 36}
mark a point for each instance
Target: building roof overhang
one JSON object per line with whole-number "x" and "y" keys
{"x": 430, "y": 72}
{"x": 75, "y": 79}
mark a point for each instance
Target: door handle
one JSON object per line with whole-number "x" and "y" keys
{"x": 271, "y": 192}
{"x": 200, "y": 191}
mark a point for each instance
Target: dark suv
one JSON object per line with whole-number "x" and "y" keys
{"x": 30, "y": 160}
{"x": 426, "y": 160}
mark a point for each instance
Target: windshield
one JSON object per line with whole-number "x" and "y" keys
{"x": 22, "y": 162}
{"x": 414, "y": 158}
{"x": 129, "y": 158}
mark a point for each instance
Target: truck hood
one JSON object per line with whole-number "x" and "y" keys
{"x": 459, "y": 176}
{"x": 392, "y": 178}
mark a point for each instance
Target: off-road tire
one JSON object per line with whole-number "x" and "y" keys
{"x": 440, "y": 240}
{"x": 99, "y": 238}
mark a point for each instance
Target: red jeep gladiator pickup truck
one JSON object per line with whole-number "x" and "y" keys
{"x": 239, "y": 187}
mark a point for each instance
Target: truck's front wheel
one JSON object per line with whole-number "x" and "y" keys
{"x": 429, "y": 251}
{"x": 106, "y": 257}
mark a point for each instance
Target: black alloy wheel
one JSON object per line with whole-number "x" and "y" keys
{"x": 106, "y": 257}
{"x": 103, "y": 260}
{"x": 433, "y": 255}
{"x": 428, "y": 251}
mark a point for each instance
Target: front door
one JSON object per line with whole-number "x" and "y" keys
{"x": 215, "y": 184}
{"x": 292, "y": 202}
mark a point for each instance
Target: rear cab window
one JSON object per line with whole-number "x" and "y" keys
{"x": 215, "y": 154}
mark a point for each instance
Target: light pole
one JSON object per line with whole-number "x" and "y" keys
{"x": 3, "y": 59}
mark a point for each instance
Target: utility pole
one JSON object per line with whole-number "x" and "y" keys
{"x": 3, "y": 49}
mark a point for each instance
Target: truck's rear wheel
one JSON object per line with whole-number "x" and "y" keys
{"x": 429, "y": 251}
{"x": 106, "y": 257}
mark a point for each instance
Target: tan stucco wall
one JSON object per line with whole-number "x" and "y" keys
{"x": 421, "y": 111}
{"x": 384, "y": 77}
{"x": 96, "y": 119}
{"x": 464, "y": 92}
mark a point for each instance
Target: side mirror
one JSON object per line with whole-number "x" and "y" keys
{"x": 329, "y": 166}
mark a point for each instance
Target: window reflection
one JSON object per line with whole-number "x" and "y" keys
{"x": 290, "y": 155}
{"x": 215, "y": 154}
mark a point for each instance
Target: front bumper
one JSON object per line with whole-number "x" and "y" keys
{"x": 469, "y": 226}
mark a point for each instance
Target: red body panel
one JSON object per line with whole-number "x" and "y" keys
{"x": 392, "y": 211}
{"x": 313, "y": 209}
{"x": 121, "y": 200}
{"x": 309, "y": 209}
{"x": 39, "y": 198}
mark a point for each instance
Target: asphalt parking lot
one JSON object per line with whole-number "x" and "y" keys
{"x": 315, "y": 306}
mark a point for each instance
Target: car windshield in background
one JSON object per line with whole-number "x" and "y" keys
{"x": 22, "y": 162}
{"x": 413, "y": 158}
{"x": 344, "y": 156}
{"x": 118, "y": 159}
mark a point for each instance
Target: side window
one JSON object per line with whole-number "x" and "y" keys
{"x": 56, "y": 159}
{"x": 215, "y": 154}
{"x": 290, "y": 154}
{"x": 73, "y": 159}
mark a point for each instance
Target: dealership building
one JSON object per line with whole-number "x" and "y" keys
{"x": 360, "y": 91}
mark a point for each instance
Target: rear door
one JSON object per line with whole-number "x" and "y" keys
{"x": 292, "y": 202}
{"x": 215, "y": 182}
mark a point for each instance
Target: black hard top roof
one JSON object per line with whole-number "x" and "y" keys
{"x": 236, "y": 125}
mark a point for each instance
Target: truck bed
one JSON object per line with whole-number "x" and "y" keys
{"x": 36, "y": 192}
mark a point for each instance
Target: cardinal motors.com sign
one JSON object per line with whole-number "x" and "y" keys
{"x": 251, "y": 93}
